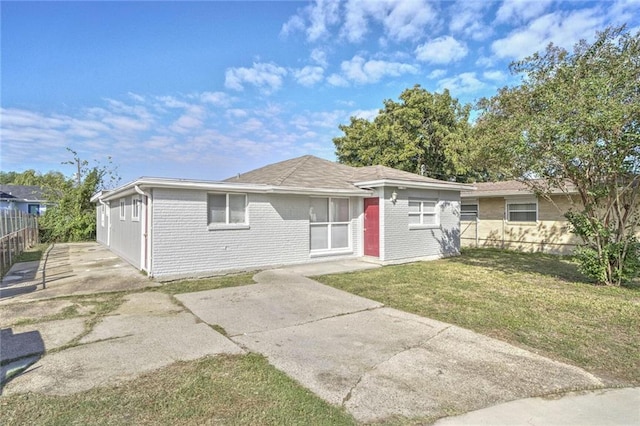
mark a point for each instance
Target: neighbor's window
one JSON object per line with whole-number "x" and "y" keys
{"x": 469, "y": 212}
{"x": 122, "y": 210}
{"x": 329, "y": 223}
{"x": 227, "y": 209}
{"x": 423, "y": 212}
{"x": 522, "y": 212}
{"x": 135, "y": 208}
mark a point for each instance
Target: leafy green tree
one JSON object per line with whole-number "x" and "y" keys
{"x": 73, "y": 217}
{"x": 424, "y": 132}
{"x": 7, "y": 178}
{"x": 575, "y": 120}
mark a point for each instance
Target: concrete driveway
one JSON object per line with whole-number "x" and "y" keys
{"x": 71, "y": 269}
{"x": 376, "y": 361}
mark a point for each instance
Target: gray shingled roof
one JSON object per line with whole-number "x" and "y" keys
{"x": 21, "y": 193}
{"x": 313, "y": 172}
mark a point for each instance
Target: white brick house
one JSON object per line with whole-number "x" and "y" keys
{"x": 296, "y": 211}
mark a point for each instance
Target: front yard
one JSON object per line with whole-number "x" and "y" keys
{"x": 539, "y": 302}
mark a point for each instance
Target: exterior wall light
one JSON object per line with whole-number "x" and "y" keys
{"x": 394, "y": 197}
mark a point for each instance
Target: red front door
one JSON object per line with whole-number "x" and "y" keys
{"x": 371, "y": 227}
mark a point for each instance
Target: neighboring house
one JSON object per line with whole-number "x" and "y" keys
{"x": 24, "y": 198}
{"x": 509, "y": 215}
{"x": 296, "y": 211}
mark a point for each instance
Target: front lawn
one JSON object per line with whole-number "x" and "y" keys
{"x": 539, "y": 302}
{"x": 238, "y": 390}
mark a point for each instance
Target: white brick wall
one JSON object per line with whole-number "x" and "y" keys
{"x": 401, "y": 242}
{"x": 278, "y": 234}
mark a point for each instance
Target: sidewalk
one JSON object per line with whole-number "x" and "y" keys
{"x": 604, "y": 407}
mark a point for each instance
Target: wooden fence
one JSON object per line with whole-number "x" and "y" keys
{"x": 18, "y": 231}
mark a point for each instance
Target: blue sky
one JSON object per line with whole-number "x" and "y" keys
{"x": 207, "y": 90}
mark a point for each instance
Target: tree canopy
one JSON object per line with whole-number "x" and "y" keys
{"x": 575, "y": 118}
{"x": 71, "y": 215}
{"x": 423, "y": 132}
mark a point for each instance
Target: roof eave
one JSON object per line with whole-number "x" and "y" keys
{"x": 449, "y": 186}
{"x": 511, "y": 193}
{"x": 150, "y": 183}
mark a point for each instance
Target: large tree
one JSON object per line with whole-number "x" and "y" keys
{"x": 423, "y": 132}
{"x": 574, "y": 120}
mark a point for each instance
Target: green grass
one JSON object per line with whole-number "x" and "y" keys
{"x": 234, "y": 390}
{"x": 190, "y": 286}
{"x": 536, "y": 301}
{"x": 32, "y": 254}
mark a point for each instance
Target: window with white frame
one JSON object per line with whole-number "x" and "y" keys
{"x": 227, "y": 209}
{"x": 522, "y": 211}
{"x": 469, "y": 212}
{"x": 329, "y": 223}
{"x": 423, "y": 213}
{"x": 122, "y": 210}
{"x": 102, "y": 213}
{"x": 135, "y": 208}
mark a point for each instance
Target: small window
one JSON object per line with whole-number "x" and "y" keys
{"x": 522, "y": 212}
{"x": 423, "y": 213}
{"x": 227, "y": 209}
{"x": 102, "y": 208}
{"x": 135, "y": 208}
{"x": 122, "y": 210}
{"x": 469, "y": 212}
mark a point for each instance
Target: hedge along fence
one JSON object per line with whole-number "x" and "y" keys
{"x": 18, "y": 231}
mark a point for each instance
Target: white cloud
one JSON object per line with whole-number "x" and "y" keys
{"x": 294, "y": 24}
{"x": 467, "y": 18}
{"x": 136, "y": 97}
{"x": 319, "y": 56}
{"x": 360, "y": 71}
{"x": 367, "y": 114}
{"x": 437, "y": 73}
{"x": 401, "y": 19}
{"x": 309, "y": 75}
{"x": 484, "y": 61}
{"x": 267, "y": 77}
{"x": 236, "y": 113}
{"x": 191, "y": 119}
{"x": 337, "y": 80}
{"x": 314, "y": 20}
{"x": 215, "y": 98}
{"x": 521, "y": 11}
{"x": 494, "y": 75}
{"x": 251, "y": 125}
{"x": 442, "y": 50}
{"x": 172, "y": 102}
{"x": 461, "y": 84}
{"x": 561, "y": 28}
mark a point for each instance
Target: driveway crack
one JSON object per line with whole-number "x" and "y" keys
{"x": 342, "y": 314}
{"x": 349, "y": 394}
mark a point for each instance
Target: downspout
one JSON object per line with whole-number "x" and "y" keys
{"x": 146, "y": 237}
